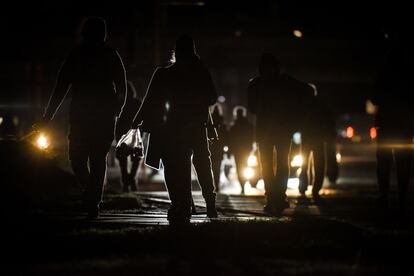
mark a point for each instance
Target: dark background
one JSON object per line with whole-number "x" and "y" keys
{"x": 343, "y": 44}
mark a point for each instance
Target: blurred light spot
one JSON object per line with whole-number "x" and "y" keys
{"x": 338, "y": 157}
{"x": 226, "y": 148}
{"x": 252, "y": 161}
{"x": 260, "y": 184}
{"x": 297, "y": 33}
{"x": 293, "y": 183}
{"x": 350, "y": 132}
{"x": 248, "y": 173}
{"x": 373, "y": 132}
{"x": 1, "y": 120}
{"x": 370, "y": 108}
{"x": 42, "y": 142}
{"x": 237, "y": 33}
{"x": 15, "y": 120}
{"x": 297, "y": 138}
{"x": 221, "y": 99}
{"x": 297, "y": 161}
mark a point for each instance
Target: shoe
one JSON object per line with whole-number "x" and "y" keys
{"x": 318, "y": 199}
{"x": 132, "y": 184}
{"x": 276, "y": 209}
{"x": 303, "y": 200}
{"x": 178, "y": 216}
{"x": 211, "y": 208}
{"x": 125, "y": 189}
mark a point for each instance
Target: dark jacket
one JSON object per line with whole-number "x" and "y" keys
{"x": 393, "y": 94}
{"x": 95, "y": 77}
{"x": 176, "y": 101}
{"x": 280, "y": 102}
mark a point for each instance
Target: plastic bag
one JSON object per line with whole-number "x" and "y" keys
{"x": 130, "y": 144}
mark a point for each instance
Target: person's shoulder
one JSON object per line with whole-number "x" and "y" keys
{"x": 298, "y": 83}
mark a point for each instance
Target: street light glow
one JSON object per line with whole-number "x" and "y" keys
{"x": 42, "y": 142}
{"x": 297, "y": 161}
{"x": 297, "y": 33}
{"x": 248, "y": 173}
{"x": 252, "y": 161}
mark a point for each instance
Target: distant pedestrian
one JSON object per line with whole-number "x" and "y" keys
{"x": 277, "y": 101}
{"x": 318, "y": 131}
{"x": 394, "y": 122}
{"x": 240, "y": 140}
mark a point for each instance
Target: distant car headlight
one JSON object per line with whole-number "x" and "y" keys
{"x": 338, "y": 157}
{"x": 252, "y": 161}
{"x": 42, "y": 142}
{"x": 297, "y": 161}
{"x": 248, "y": 173}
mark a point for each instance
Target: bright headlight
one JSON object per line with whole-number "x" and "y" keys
{"x": 252, "y": 161}
{"x": 248, "y": 173}
{"x": 42, "y": 142}
{"x": 297, "y": 161}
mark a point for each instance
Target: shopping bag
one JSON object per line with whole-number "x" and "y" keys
{"x": 130, "y": 144}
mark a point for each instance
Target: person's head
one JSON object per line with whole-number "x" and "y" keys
{"x": 94, "y": 30}
{"x": 184, "y": 47}
{"x": 268, "y": 65}
{"x": 239, "y": 112}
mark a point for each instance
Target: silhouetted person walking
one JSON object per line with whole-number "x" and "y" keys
{"x": 175, "y": 113}
{"x": 318, "y": 130}
{"x": 123, "y": 124}
{"x": 95, "y": 76}
{"x": 276, "y": 99}
{"x": 394, "y": 122}
{"x": 241, "y": 140}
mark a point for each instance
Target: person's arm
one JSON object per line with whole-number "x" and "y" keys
{"x": 211, "y": 90}
{"x": 149, "y": 100}
{"x": 120, "y": 81}
{"x": 62, "y": 87}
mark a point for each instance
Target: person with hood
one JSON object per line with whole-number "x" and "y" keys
{"x": 394, "y": 121}
{"x": 95, "y": 77}
{"x": 175, "y": 113}
{"x": 279, "y": 103}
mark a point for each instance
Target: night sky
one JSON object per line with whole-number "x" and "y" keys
{"x": 342, "y": 46}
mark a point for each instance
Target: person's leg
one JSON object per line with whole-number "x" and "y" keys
{"x": 384, "y": 166}
{"x": 304, "y": 174}
{"x": 282, "y": 170}
{"x": 240, "y": 159}
{"x": 134, "y": 169}
{"x": 78, "y": 155}
{"x": 202, "y": 165}
{"x": 177, "y": 172}
{"x": 319, "y": 167}
{"x": 332, "y": 168}
{"x": 97, "y": 164}
{"x": 266, "y": 159}
{"x": 403, "y": 159}
{"x": 123, "y": 165}
{"x": 216, "y": 158}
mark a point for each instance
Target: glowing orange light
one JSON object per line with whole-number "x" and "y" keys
{"x": 297, "y": 33}
{"x": 373, "y": 132}
{"x": 349, "y": 132}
